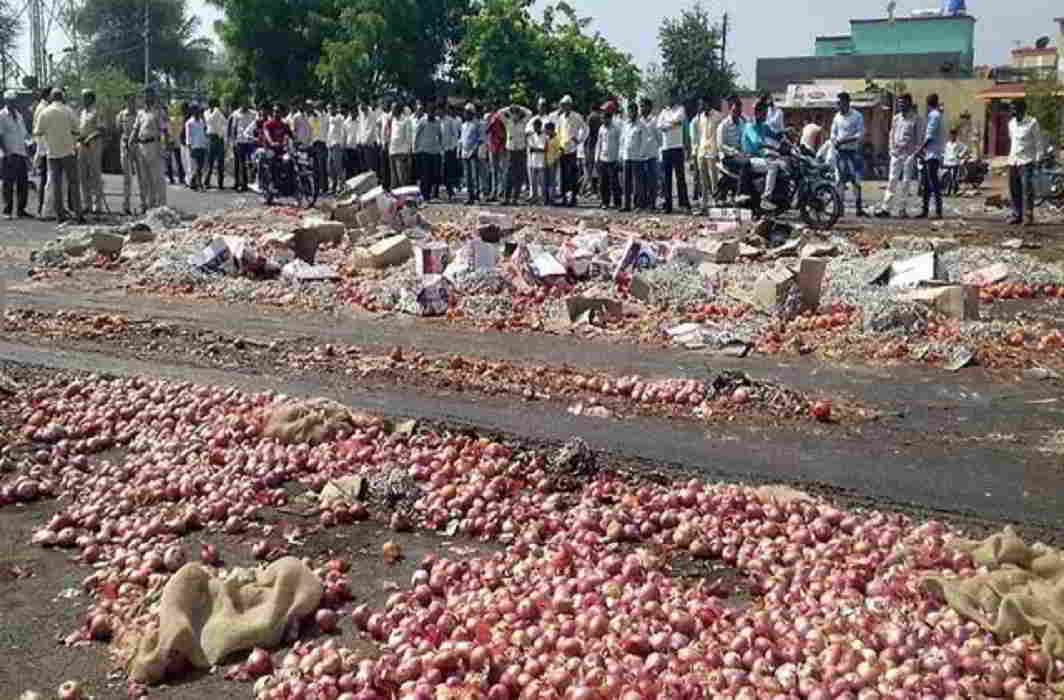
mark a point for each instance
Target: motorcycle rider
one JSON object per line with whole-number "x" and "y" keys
{"x": 760, "y": 141}
{"x": 732, "y": 158}
{"x": 276, "y": 135}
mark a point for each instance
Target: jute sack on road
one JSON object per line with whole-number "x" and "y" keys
{"x": 1023, "y": 591}
{"x": 312, "y": 421}
{"x": 203, "y": 618}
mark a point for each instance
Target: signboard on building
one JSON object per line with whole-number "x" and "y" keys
{"x": 825, "y": 96}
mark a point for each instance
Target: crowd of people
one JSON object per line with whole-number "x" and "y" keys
{"x": 630, "y": 158}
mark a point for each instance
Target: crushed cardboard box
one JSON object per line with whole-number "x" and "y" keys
{"x": 956, "y": 301}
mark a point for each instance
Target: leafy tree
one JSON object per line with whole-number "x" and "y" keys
{"x": 115, "y": 33}
{"x": 274, "y": 47}
{"x": 655, "y": 84}
{"x": 507, "y": 56}
{"x": 691, "y": 57}
{"x": 10, "y": 27}
{"x": 1045, "y": 102}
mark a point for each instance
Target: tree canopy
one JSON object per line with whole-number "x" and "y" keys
{"x": 10, "y": 26}
{"x": 114, "y": 30}
{"x": 691, "y": 56}
{"x": 359, "y": 49}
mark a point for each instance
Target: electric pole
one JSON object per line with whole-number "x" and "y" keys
{"x": 724, "y": 43}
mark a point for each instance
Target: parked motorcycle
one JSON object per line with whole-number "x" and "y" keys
{"x": 1049, "y": 182}
{"x": 804, "y": 184}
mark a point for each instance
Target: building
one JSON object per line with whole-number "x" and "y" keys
{"x": 881, "y": 50}
{"x": 1029, "y": 63}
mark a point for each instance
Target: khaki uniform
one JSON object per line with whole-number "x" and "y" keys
{"x": 90, "y": 161}
{"x": 124, "y": 122}
{"x": 147, "y": 132}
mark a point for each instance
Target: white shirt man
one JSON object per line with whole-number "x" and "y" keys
{"x": 906, "y": 133}
{"x": 12, "y": 131}
{"x": 516, "y": 119}
{"x": 670, "y": 122}
{"x": 572, "y": 129}
{"x": 13, "y": 149}
{"x": 301, "y": 131}
{"x": 368, "y": 125}
{"x": 216, "y": 122}
{"x": 707, "y": 124}
{"x": 1027, "y": 142}
{"x": 336, "y": 134}
{"x": 240, "y": 120}
{"x": 774, "y": 119}
{"x": 848, "y": 126}
{"x": 401, "y": 141}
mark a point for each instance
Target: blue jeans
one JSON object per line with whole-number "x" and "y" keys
{"x": 470, "y": 166}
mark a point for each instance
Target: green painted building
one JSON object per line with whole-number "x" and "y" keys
{"x": 905, "y": 35}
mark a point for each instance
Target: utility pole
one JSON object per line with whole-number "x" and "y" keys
{"x": 147, "y": 44}
{"x": 724, "y": 44}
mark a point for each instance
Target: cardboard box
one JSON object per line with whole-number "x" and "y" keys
{"x": 362, "y": 183}
{"x": 772, "y": 288}
{"x": 810, "y": 280}
{"x": 721, "y": 251}
{"x": 394, "y": 250}
{"x": 913, "y": 271}
{"x": 595, "y": 307}
{"x": 431, "y": 258}
{"x": 956, "y": 301}
{"x": 988, "y": 275}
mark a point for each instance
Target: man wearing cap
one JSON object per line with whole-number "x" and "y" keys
{"x": 58, "y": 128}
{"x": 124, "y": 125}
{"x": 572, "y": 130}
{"x": 469, "y": 139}
{"x": 90, "y": 155}
{"x": 15, "y": 165}
{"x": 147, "y": 134}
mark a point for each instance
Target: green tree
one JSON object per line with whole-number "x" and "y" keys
{"x": 275, "y": 46}
{"x": 10, "y": 27}
{"x": 1045, "y": 102}
{"x": 655, "y": 84}
{"x": 391, "y": 45}
{"x": 691, "y": 58}
{"x": 114, "y": 30}
{"x": 506, "y": 55}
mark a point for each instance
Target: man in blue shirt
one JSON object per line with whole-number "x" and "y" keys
{"x": 469, "y": 140}
{"x": 759, "y": 142}
{"x": 932, "y": 150}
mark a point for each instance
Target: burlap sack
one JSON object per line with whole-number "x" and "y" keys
{"x": 202, "y": 618}
{"x": 312, "y": 421}
{"x": 1023, "y": 591}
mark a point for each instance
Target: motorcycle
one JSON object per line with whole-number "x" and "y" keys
{"x": 289, "y": 175}
{"x": 1049, "y": 182}
{"x": 804, "y": 184}
{"x": 971, "y": 173}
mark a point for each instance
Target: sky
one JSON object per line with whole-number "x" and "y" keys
{"x": 774, "y": 29}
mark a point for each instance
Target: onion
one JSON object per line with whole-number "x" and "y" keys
{"x": 327, "y": 620}
{"x": 70, "y": 690}
{"x": 258, "y": 663}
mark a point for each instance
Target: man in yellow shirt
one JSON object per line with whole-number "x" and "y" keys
{"x": 554, "y": 153}
{"x": 57, "y": 128}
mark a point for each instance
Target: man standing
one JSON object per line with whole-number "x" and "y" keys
{"x": 932, "y": 150}
{"x": 90, "y": 155}
{"x": 847, "y": 134}
{"x": 40, "y": 158}
{"x": 498, "y": 156}
{"x": 904, "y": 142}
{"x": 1025, "y": 151}
{"x": 515, "y": 119}
{"x": 216, "y": 127}
{"x": 15, "y": 169}
{"x": 147, "y": 134}
{"x": 243, "y": 144}
{"x": 58, "y": 128}
{"x": 336, "y": 140}
{"x": 452, "y": 132}
{"x": 400, "y": 146}
{"x": 368, "y": 137}
{"x": 671, "y": 123}
{"x": 608, "y": 153}
{"x": 352, "y": 163}
{"x": 469, "y": 140}
{"x": 384, "y": 137}
{"x": 196, "y": 142}
{"x": 572, "y": 130}
{"x": 124, "y": 125}
{"x": 428, "y": 153}
{"x": 587, "y": 153}
{"x": 319, "y": 151}
{"x": 707, "y": 123}
{"x": 651, "y": 155}
{"x": 954, "y": 156}
{"x": 633, "y": 133}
